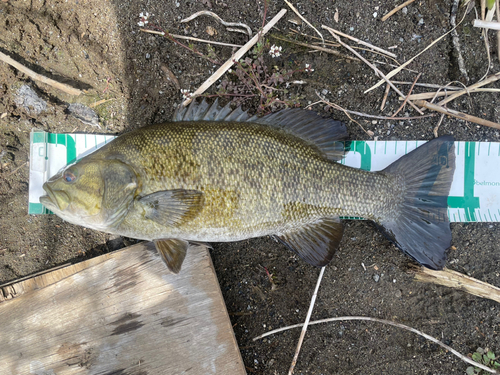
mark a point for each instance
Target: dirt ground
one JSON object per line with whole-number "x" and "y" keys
{"x": 97, "y": 46}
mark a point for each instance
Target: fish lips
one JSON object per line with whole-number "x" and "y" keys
{"x": 54, "y": 200}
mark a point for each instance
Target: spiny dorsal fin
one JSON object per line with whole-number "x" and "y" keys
{"x": 324, "y": 133}
{"x": 316, "y": 242}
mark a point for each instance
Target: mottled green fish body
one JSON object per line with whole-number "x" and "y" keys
{"x": 216, "y": 175}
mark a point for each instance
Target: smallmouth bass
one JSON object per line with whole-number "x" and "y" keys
{"x": 216, "y": 175}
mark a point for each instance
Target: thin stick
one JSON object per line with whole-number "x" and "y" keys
{"x": 333, "y": 105}
{"x": 162, "y": 33}
{"x": 303, "y": 19}
{"x": 397, "y": 9}
{"x": 375, "y": 69}
{"x": 306, "y": 323}
{"x": 398, "y": 69}
{"x": 38, "y": 77}
{"x": 387, "y": 89}
{"x": 318, "y": 48}
{"x": 428, "y": 85}
{"x": 230, "y": 24}
{"x": 435, "y": 130}
{"x": 394, "y": 324}
{"x": 457, "y": 114}
{"x": 430, "y": 95}
{"x": 492, "y": 78}
{"x": 362, "y": 42}
{"x": 493, "y": 25}
{"x": 457, "y": 280}
{"x": 238, "y": 55}
{"x": 406, "y": 99}
{"x": 456, "y": 41}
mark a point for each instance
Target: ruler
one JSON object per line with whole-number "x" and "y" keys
{"x": 474, "y": 194}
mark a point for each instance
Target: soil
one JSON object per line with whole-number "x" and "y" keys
{"x": 97, "y": 46}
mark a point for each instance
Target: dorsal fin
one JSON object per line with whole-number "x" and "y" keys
{"x": 324, "y": 133}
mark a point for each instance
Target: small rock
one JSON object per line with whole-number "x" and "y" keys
{"x": 84, "y": 114}
{"x": 376, "y": 278}
{"x": 398, "y": 294}
{"x": 29, "y": 100}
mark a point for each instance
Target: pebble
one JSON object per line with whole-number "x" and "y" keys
{"x": 376, "y": 278}
{"x": 398, "y": 294}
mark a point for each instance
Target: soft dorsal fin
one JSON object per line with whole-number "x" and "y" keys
{"x": 316, "y": 242}
{"x": 324, "y": 133}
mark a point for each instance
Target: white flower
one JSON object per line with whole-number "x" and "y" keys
{"x": 275, "y": 51}
{"x": 186, "y": 94}
{"x": 144, "y": 19}
{"x": 309, "y": 69}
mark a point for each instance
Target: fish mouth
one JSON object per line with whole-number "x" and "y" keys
{"x": 54, "y": 199}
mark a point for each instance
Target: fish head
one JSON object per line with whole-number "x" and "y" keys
{"x": 93, "y": 193}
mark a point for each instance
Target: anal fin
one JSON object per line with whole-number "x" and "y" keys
{"x": 316, "y": 242}
{"x": 172, "y": 252}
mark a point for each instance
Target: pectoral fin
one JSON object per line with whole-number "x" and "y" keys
{"x": 172, "y": 207}
{"x": 316, "y": 242}
{"x": 172, "y": 252}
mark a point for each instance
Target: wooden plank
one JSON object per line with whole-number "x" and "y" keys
{"x": 120, "y": 313}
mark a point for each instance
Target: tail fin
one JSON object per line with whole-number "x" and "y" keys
{"x": 421, "y": 226}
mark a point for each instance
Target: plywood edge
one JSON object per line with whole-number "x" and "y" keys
{"x": 51, "y": 276}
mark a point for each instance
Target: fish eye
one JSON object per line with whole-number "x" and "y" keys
{"x": 69, "y": 176}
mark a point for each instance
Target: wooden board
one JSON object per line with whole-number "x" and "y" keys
{"x": 122, "y": 313}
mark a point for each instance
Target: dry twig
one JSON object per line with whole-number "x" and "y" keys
{"x": 346, "y": 111}
{"x": 435, "y": 94}
{"x": 387, "y": 89}
{"x": 363, "y": 43}
{"x": 162, "y": 33}
{"x": 493, "y": 25}
{"x": 457, "y": 114}
{"x": 306, "y": 323}
{"x": 229, "y": 63}
{"x": 397, "y": 9}
{"x": 38, "y": 77}
{"x": 227, "y": 24}
{"x": 407, "y": 96}
{"x": 318, "y": 48}
{"x": 383, "y": 321}
{"x": 457, "y": 280}
{"x": 303, "y": 19}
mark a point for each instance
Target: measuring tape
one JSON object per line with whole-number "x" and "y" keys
{"x": 474, "y": 194}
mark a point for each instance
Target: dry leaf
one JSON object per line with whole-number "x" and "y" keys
{"x": 336, "y": 15}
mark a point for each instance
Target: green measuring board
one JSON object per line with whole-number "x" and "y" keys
{"x": 474, "y": 195}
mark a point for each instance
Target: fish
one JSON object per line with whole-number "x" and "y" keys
{"x": 214, "y": 174}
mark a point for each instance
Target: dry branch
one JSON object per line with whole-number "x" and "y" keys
{"x": 453, "y": 279}
{"x": 38, "y": 77}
